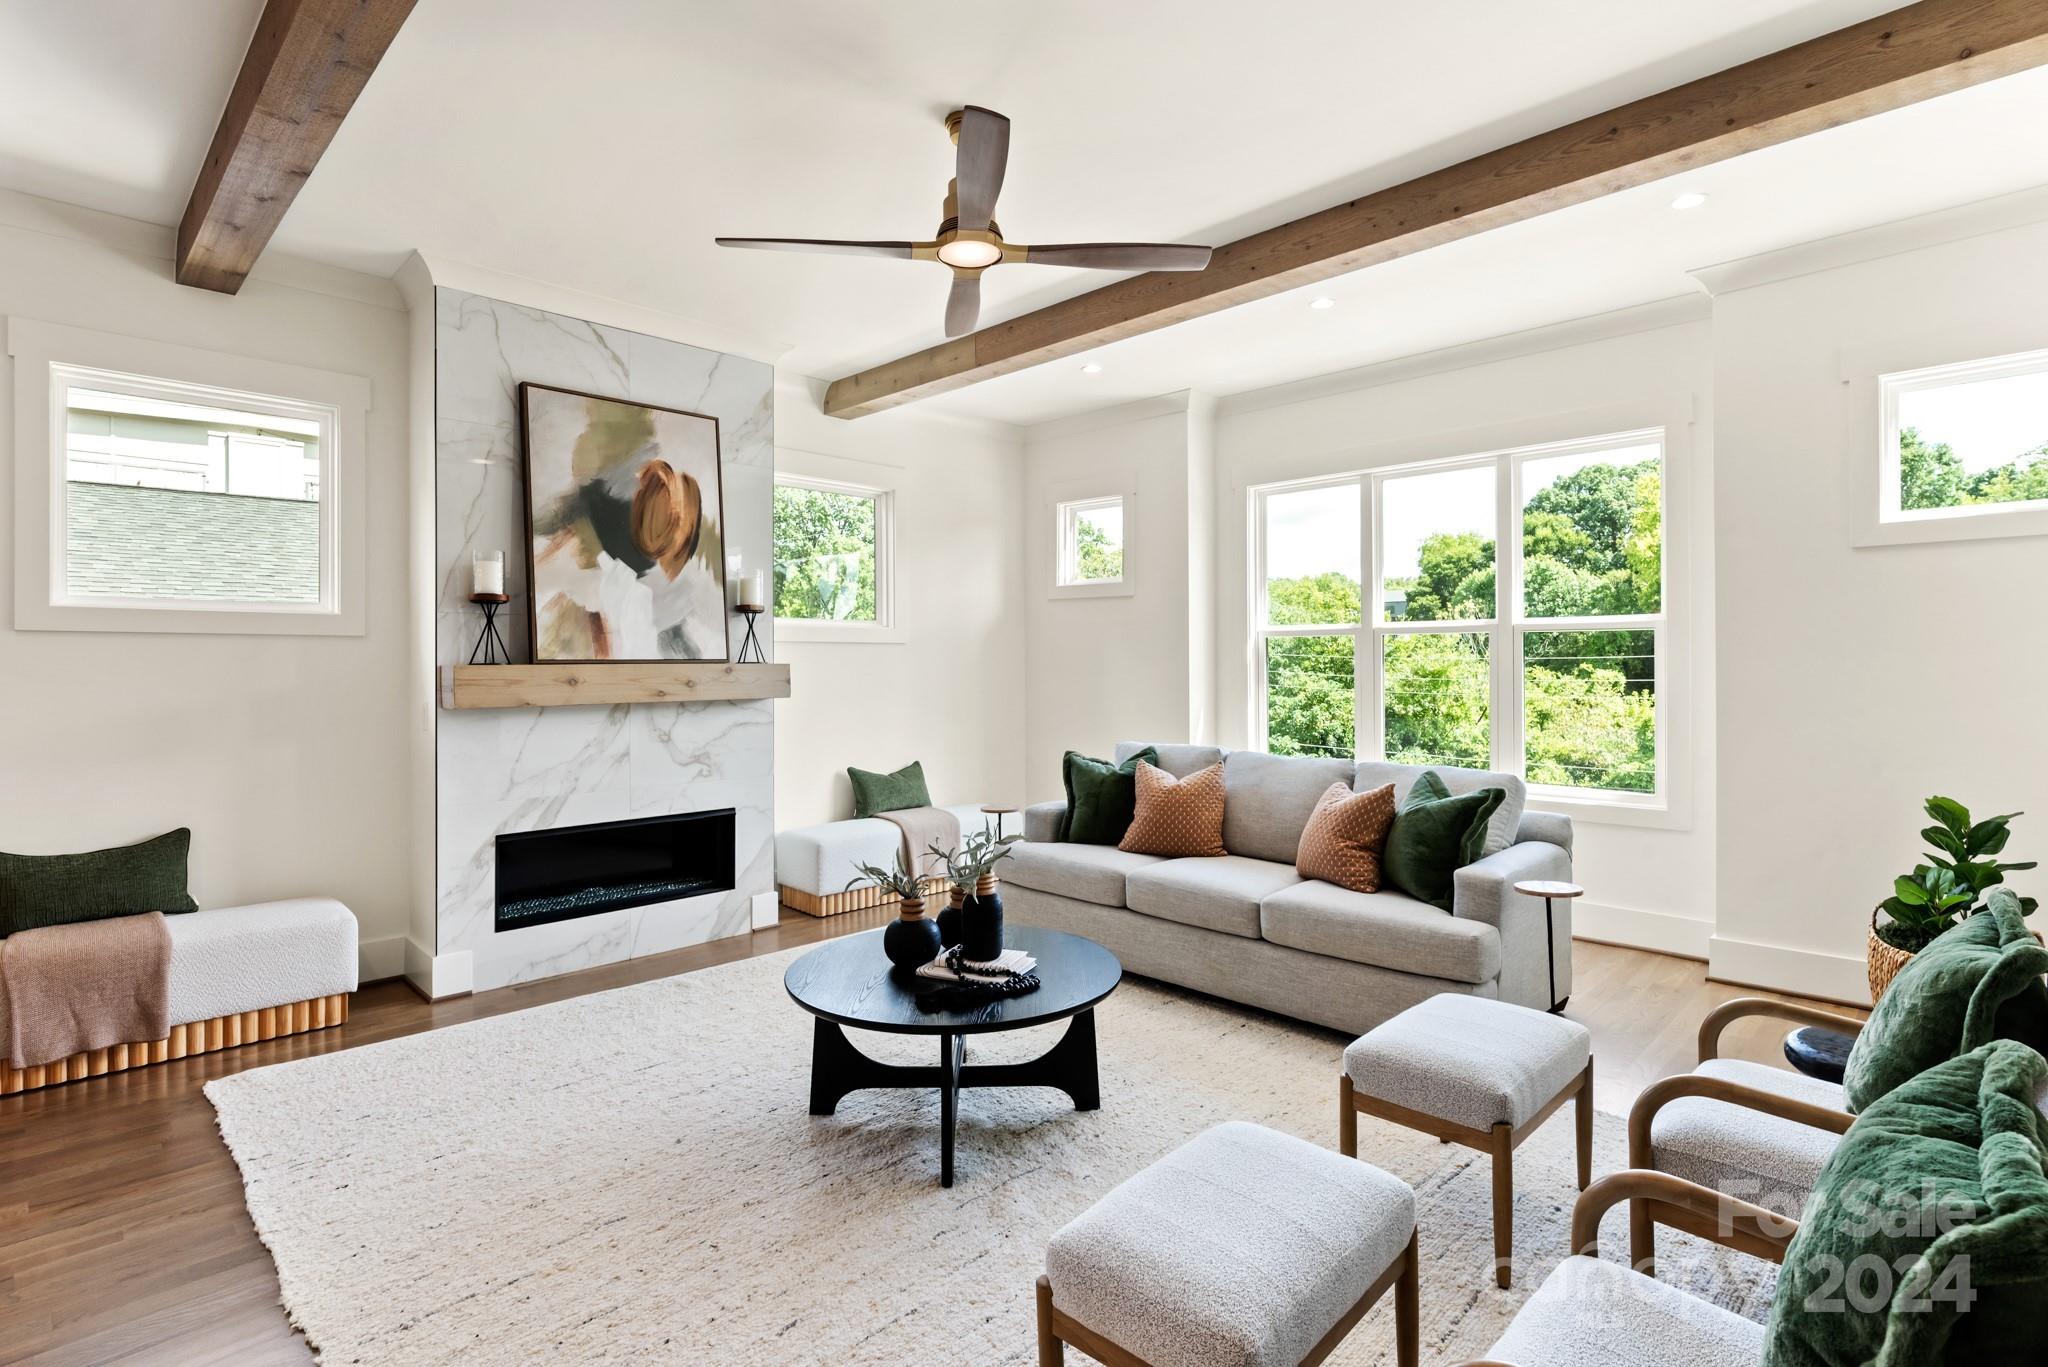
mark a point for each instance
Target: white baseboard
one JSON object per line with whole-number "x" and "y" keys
{"x": 766, "y": 910}
{"x": 1658, "y": 931}
{"x": 1798, "y": 972}
{"x": 377, "y": 960}
{"x": 438, "y": 975}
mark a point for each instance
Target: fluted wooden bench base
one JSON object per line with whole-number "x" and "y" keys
{"x": 854, "y": 899}
{"x": 199, "y": 1037}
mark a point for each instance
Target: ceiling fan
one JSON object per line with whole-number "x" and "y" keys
{"x": 969, "y": 240}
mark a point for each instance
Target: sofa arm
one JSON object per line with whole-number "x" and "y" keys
{"x": 1485, "y": 889}
{"x": 1552, "y": 828}
{"x": 1535, "y": 947}
{"x": 1042, "y": 820}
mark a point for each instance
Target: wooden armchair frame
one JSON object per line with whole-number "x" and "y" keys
{"x": 1646, "y": 1213}
{"x": 1721, "y": 1219}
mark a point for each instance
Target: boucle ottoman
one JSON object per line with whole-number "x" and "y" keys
{"x": 1477, "y": 1072}
{"x": 1242, "y": 1246}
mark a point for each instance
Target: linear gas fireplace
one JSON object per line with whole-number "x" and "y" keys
{"x": 571, "y": 871}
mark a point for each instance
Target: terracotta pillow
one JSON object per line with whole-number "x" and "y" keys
{"x": 1345, "y": 833}
{"x": 1178, "y": 817}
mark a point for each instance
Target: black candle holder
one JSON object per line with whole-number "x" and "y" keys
{"x": 489, "y": 644}
{"x": 750, "y": 648}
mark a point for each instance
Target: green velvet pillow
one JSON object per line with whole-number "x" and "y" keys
{"x": 1979, "y": 981}
{"x": 889, "y": 792}
{"x": 1101, "y": 797}
{"x": 58, "y": 889}
{"x": 1434, "y": 835}
{"x": 1926, "y": 1240}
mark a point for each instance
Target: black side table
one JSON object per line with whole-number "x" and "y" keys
{"x": 1549, "y": 889}
{"x": 1819, "y": 1052}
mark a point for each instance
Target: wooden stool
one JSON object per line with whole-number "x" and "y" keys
{"x": 1477, "y": 1072}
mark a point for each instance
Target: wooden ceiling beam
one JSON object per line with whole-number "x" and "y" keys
{"x": 1896, "y": 59}
{"x": 306, "y": 64}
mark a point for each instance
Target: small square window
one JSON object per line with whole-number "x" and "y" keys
{"x": 1965, "y": 441}
{"x": 1093, "y": 541}
{"x": 833, "y": 558}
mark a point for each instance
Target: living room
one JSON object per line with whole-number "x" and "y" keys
{"x": 1495, "y": 594}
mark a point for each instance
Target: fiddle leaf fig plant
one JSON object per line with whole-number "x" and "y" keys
{"x": 1952, "y": 883}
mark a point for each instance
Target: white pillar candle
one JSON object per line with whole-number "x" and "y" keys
{"x": 487, "y": 572}
{"x": 754, "y": 590}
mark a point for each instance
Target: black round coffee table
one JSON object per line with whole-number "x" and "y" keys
{"x": 849, "y": 982}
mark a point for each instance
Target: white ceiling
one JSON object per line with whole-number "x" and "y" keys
{"x": 601, "y": 146}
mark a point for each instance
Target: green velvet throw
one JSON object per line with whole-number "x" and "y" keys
{"x": 1101, "y": 797}
{"x": 889, "y": 792}
{"x": 58, "y": 889}
{"x": 1980, "y": 980}
{"x": 1434, "y": 835}
{"x": 1926, "y": 1240}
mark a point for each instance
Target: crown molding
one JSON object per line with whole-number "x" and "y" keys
{"x": 1981, "y": 218}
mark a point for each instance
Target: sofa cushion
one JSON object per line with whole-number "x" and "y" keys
{"x": 1980, "y": 980}
{"x": 1502, "y": 828}
{"x": 1086, "y": 873}
{"x": 1101, "y": 797}
{"x": 1385, "y": 929}
{"x": 1178, "y": 818}
{"x": 1178, "y": 760}
{"x": 1267, "y": 800}
{"x": 1214, "y": 894}
{"x": 1757, "y": 1157}
{"x": 1433, "y": 836}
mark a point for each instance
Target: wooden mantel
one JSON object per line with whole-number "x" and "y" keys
{"x": 583, "y": 685}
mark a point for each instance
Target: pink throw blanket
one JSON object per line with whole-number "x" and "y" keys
{"x": 67, "y": 989}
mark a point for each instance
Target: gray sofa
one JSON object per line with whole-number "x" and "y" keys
{"x": 1246, "y": 927}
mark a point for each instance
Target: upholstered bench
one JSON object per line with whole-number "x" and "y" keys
{"x": 237, "y": 975}
{"x": 1243, "y": 1246}
{"x": 1477, "y": 1072}
{"x": 814, "y": 864}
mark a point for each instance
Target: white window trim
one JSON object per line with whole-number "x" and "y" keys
{"x": 886, "y": 629}
{"x": 1668, "y": 806}
{"x": 1064, "y": 512}
{"x": 46, "y": 355}
{"x": 1876, "y": 382}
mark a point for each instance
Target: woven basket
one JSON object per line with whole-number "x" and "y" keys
{"x": 1885, "y": 960}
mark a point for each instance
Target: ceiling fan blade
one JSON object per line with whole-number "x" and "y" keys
{"x": 819, "y": 244}
{"x": 1120, "y": 256}
{"x": 978, "y": 166}
{"x": 963, "y": 305}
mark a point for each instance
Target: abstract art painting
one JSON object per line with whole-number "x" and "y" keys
{"x": 625, "y": 515}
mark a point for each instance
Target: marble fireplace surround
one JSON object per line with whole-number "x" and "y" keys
{"x": 537, "y": 768}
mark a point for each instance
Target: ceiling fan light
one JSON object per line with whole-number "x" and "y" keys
{"x": 969, "y": 254}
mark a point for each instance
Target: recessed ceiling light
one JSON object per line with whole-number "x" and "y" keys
{"x": 1322, "y": 302}
{"x": 1691, "y": 199}
{"x": 1091, "y": 369}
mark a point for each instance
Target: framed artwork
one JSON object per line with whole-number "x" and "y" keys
{"x": 625, "y": 528}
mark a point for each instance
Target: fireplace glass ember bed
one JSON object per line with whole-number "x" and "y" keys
{"x": 571, "y": 871}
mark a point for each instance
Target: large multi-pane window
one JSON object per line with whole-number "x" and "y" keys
{"x": 1496, "y": 611}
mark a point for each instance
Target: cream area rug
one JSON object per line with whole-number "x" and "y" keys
{"x": 633, "y": 1177}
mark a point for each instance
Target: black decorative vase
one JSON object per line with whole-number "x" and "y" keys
{"x": 981, "y": 923}
{"x": 949, "y": 919}
{"x": 912, "y": 939}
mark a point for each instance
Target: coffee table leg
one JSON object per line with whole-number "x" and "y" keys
{"x": 1073, "y": 1063}
{"x": 949, "y": 1102}
{"x": 838, "y": 1068}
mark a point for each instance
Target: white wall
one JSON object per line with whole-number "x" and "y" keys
{"x": 1104, "y": 669}
{"x": 288, "y": 756}
{"x": 950, "y": 693}
{"x": 1646, "y": 885}
{"x": 1856, "y": 682}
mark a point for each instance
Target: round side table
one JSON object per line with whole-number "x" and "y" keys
{"x": 999, "y": 813}
{"x": 1550, "y": 890}
{"x": 1819, "y": 1052}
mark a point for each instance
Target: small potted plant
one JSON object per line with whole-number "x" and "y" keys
{"x": 971, "y": 871}
{"x": 1938, "y": 893}
{"x": 912, "y": 939}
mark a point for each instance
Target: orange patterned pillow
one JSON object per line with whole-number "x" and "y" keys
{"x": 1345, "y": 833}
{"x": 1179, "y": 817}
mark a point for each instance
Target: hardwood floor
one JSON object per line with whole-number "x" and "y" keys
{"x": 123, "y": 1237}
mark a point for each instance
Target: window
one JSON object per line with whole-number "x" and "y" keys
{"x": 184, "y": 490}
{"x": 1965, "y": 440}
{"x": 1535, "y": 653}
{"x": 832, "y": 554}
{"x": 1091, "y": 544}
